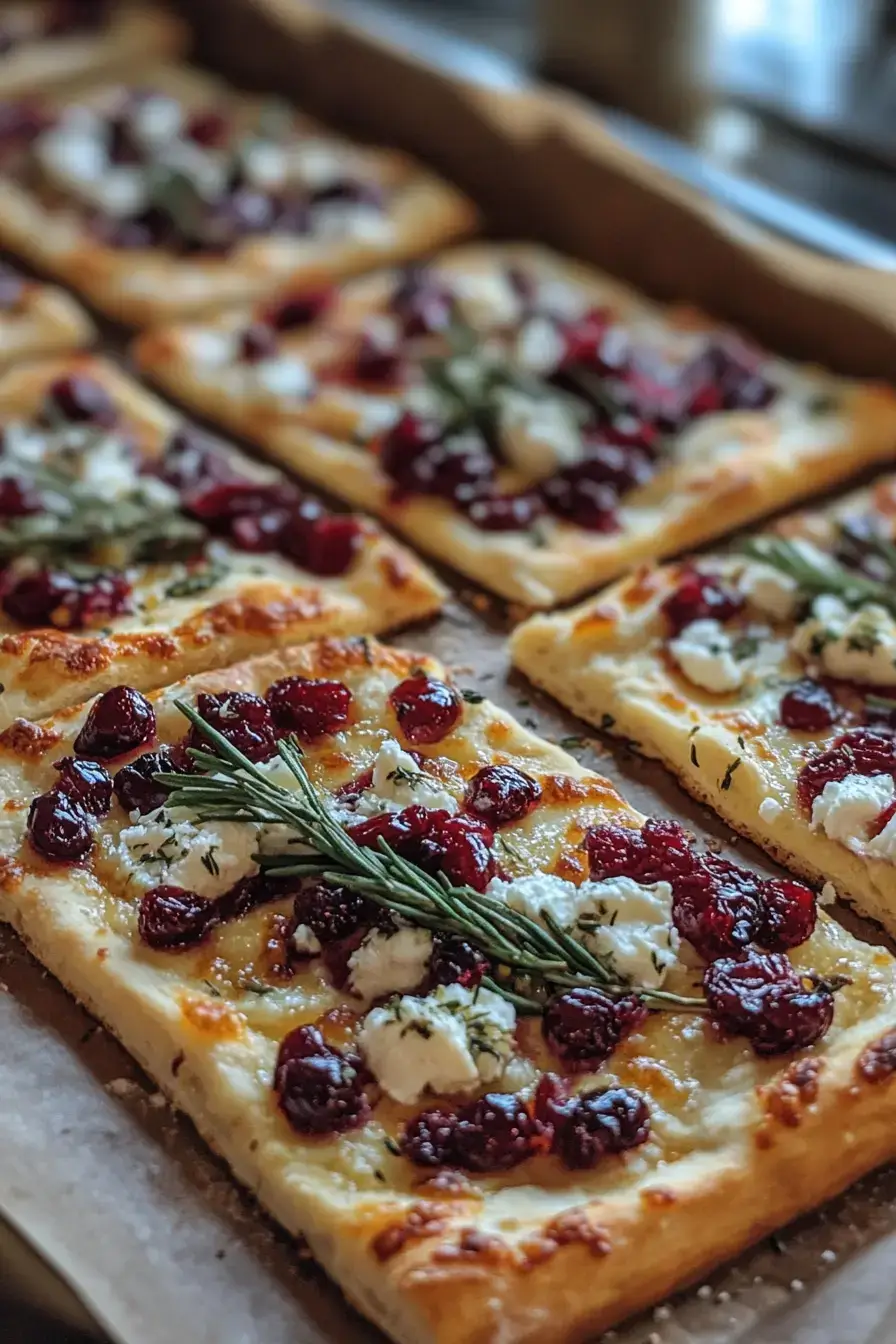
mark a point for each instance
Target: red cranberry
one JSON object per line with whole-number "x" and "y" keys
{"x": 193, "y": 459}
{"x": 860, "y": 751}
{"x": 319, "y": 1089}
{"x": 735, "y": 369}
{"x": 134, "y": 785}
{"x": 659, "y": 851}
{"x": 81, "y": 400}
{"x": 808, "y": 707}
{"x": 123, "y": 147}
{"x": 494, "y": 1133}
{"x": 258, "y": 341}
{"x": 423, "y": 303}
{"x": 377, "y": 359}
{"x": 331, "y": 913}
{"x": 765, "y": 999}
{"x": 429, "y": 1139}
{"x": 397, "y": 829}
{"x": 501, "y": 794}
{"x": 119, "y": 720}
{"x": 242, "y": 214}
{"x": 299, "y": 310}
{"x": 788, "y": 914}
{"x": 171, "y": 919}
{"x": 611, "y": 464}
{"x": 454, "y": 961}
{"x": 260, "y": 532}
{"x": 410, "y": 436}
{"x": 12, "y": 289}
{"x": 584, "y": 1026}
{"x": 311, "y": 708}
{"x": 221, "y": 501}
{"x": 87, "y": 783}
{"x": 596, "y": 343}
{"x": 505, "y": 513}
{"x": 552, "y": 1103}
{"x": 427, "y": 709}
{"x": 631, "y": 431}
{"x": 207, "y": 127}
{"x": 327, "y": 547}
{"x": 718, "y": 907}
{"x": 244, "y": 719}
{"x": 18, "y": 498}
{"x": 700, "y": 597}
{"x": 60, "y": 828}
{"x": 609, "y": 1121}
{"x": 467, "y": 856}
{"x": 592, "y": 505}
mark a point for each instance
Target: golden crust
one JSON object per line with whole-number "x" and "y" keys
{"x": 706, "y": 494}
{"x": 136, "y": 34}
{"x": 149, "y": 286}
{"x": 536, "y": 1255}
{"x": 248, "y": 611}
{"x": 46, "y": 321}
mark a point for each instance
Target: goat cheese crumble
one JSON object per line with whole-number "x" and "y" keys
{"x": 769, "y": 591}
{"x": 398, "y": 782}
{"x": 705, "y": 652}
{"x": 845, "y": 809}
{"x": 162, "y": 848}
{"x": 390, "y": 962}
{"x": 856, "y": 645}
{"x": 537, "y": 437}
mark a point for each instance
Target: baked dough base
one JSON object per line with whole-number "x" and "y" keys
{"x": 48, "y": 321}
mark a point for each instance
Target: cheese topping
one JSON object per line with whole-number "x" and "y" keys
{"x": 537, "y": 437}
{"x": 398, "y": 782}
{"x": 845, "y": 809}
{"x": 539, "y": 345}
{"x": 769, "y": 591}
{"x": 390, "y": 962}
{"x": 162, "y": 849}
{"x": 486, "y": 300}
{"x": 705, "y": 652}
{"x": 855, "y": 645}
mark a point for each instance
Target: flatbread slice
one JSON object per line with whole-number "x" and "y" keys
{"x": 775, "y": 705}
{"x": 532, "y": 1231}
{"x": 112, "y": 572}
{"x": 523, "y": 418}
{"x": 38, "y": 319}
{"x": 176, "y": 194}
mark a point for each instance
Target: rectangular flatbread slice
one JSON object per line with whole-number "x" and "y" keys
{"x": 38, "y": 319}
{"x": 765, "y": 681}
{"x": 52, "y": 43}
{"x": 464, "y": 1175}
{"x": 178, "y": 194}
{"x": 135, "y": 548}
{"x": 523, "y": 418}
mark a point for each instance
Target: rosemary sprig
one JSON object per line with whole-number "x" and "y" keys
{"x": 234, "y": 789}
{"x": 815, "y": 572}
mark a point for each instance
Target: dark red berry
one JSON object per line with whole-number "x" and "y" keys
{"x": 378, "y": 359}
{"x": 718, "y": 906}
{"x": 700, "y": 597}
{"x": 171, "y": 919}
{"x": 423, "y": 303}
{"x": 621, "y": 467}
{"x": 331, "y": 913}
{"x": 575, "y": 497}
{"x": 87, "y": 783}
{"x": 244, "y": 719}
{"x": 220, "y": 501}
{"x": 501, "y": 794}
{"x": 860, "y": 751}
{"x": 429, "y": 1139}
{"x": 788, "y": 914}
{"x": 193, "y": 459}
{"x": 54, "y": 597}
{"x": 659, "y": 851}
{"x": 119, "y": 720}
{"x": 494, "y": 1133}
{"x": 60, "y": 828}
{"x": 596, "y": 342}
{"x": 494, "y": 512}
{"x": 598, "y": 1123}
{"x": 81, "y": 400}
{"x": 552, "y": 1103}
{"x": 468, "y": 859}
{"x": 808, "y": 707}
{"x": 765, "y": 999}
{"x": 134, "y": 785}
{"x": 408, "y": 438}
{"x": 454, "y": 961}
{"x": 327, "y": 545}
{"x": 309, "y": 707}
{"x": 18, "y": 498}
{"x": 427, "y": 709}
{"x": 258, "y": 341}
{"x": 412, "y": 833}
{"x": 208, "y": 128}
{"x": 319, "y": 1089}
{"x": 299, "y": 310}
{"x": 584, "y": 1026}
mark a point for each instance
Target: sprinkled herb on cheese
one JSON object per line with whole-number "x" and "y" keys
{"x": 857, "y": 645}
{"x": 845, "y": 808}
{"x": 162, "y": 848}
{"x": 398, "y": 782}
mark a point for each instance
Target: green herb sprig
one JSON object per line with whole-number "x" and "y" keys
{"x": 816, "y": 573}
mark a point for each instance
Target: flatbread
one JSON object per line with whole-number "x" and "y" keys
{"x": 257, "y": 601}
{"x": 726, "y": 468}
{"x": 739, "y": 1144}
{"x": 40, "y": 320}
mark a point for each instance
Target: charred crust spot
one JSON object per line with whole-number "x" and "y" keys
{"x": 788, "y": 1096}
{"x": 877, "y": 1062}
{"x": 421, "y": 1220}
{"x": 472, "y": 1244}
{"x": 25, "y": 738}
{"x": 600, "y": 620}
{"x": 658, "y": 1197}
{"x": 566, "y": 789}
{"x": 213, "y": 1017}
{"x": 454, "y": 1184}
{"x": 11, "y": 872}
{"x": 396, "y": 569}
{"x": 245, "y": 615}
{"x": 573, "y": 1227}
{"x": 644, "y": 584}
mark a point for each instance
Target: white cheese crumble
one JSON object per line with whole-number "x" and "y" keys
{"x": 769, "y": 591}
{"x": 398, "y": 782}
{"x": 845, "y": 809}
{"x": 453, "y": 1040}
{"x": 539, "y": 345}
{"x": 390, "y": 962}
{"x": 486, "y": 300}
{"x": 350, "y": 219}
{"x": 282, "y": 376}
{"x": 305, "y": 941}
{"x": 705, "y": 653}
{"x": 537, "y": 436}
{"x": 828, "y": 894}
{"x": 161, "y": 848}
{"x": 855, "y": 645}
{"x": 770, "y": 809}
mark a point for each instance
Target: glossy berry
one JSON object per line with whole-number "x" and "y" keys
{"x": 134, "y": 785}
{"x": 429, "y": 1139}
{"x": 54, "y": 597}
{"x": 207, "y": 127}
{"x": 501, "y": 794}
{"x": 423, "y": 303}
{"x": 584, "y": 1026}
{"x": 171, "y": 919}
{"x": 327, "y": 545}
{"x": 860, "y": 751}
{"x": 18, "y": 498}
{"x": 221, "y": 501}
{"x": 299, "y": 310}
{"x": 700, "y": 597}
{"x": 494, "y": 1133}
{"x": 495, "y": 512}
{"x": 258, "y": 341}
{"x": 244, "y": 719}
{"x": 624, "y": 468}
{"x": 81, "y": 400}
{"x": 454, "y": 961}
{"x": 598, "y": 1123}
{"x": 378, "y": 360}
{"x": 808, "y": 707}
{"x": 309, "y": 707}
{"x": 427, "y": 709}
{"x": 398, "y": 829}
{"x": 87, "y": 783}
{"x": 468, "y": 858}
{"x": 60, "y": 828}
{"x": 575, "y": 497}
{"x": 120, "y": 720}
{"x": 718, "y": 906}
{"x": 765, "y": 999}
{"x": 331, "y": 913}
{"x": 659, "y": 851}
{"x": 319, "y": 1089}
{"x": 194, "y": 459}
{"x": 788, "y": 915}
{"x": 552, "y": 1103}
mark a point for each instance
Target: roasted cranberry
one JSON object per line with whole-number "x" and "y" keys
{"x": 573, "y": 495}
{"x": 610, "y": 1121}
{"x": 493, "y": 512}
{"x": 46, "y": 597}
{"x": 459, "y": 475}
{"x": 58, "y": 827}
{"x": 788, "y": 914}
{"x": 119, "y": 720}
{"x": 259, "y": 532}
{"x": 622, "y": 468}
{"x": 319, "y": 1089}
{"x": 718, "y": 907}
{"x": 207, "y": 127}
{"x": 81, "y": 400}
{"x": 194, "y": 459}
{"x": 258, "y": 341}
{"x": 467, "y": 856}
{"x": 427, "y": 709}
{"x": 221, "y": 501}
{"x": 309, "y": 707}
{"x": 454, "y": 961}
{"x": 494, "y": 1133}
{"x": 735, "y": 370}
{"x": 134, "y": 785}
{"x": 808, "y": 707}
{"x": 584, "y": 1026}
{"x": 244, "y": 719}
{"x": 299, "y": 310}
{"x": 659, "y": 851}
{"x": 700, "y": 597}
{"x": 410, "y": 436}
{"x": 428, "y": 1139}
{"x": 397, "y": 829}
{"x": 240, "y": 215}
{"x": 631, "y": 431}
{"x": 17, "y": 497}
{"x": 860, "y": 751}
{"x": 331, "y": 913}
{"x": 12, "y": 289}
{"x": 423, "y": 303}
{"x": 377, "y": 359}
{"x": 501, "y": 794}
{"x": 170, "y": 919}
{"x": 765, "y": 999}
{"x": 123, "y": 147}
{"x": 328, "y": 546}
{"x": 596, "y": 343}
{"x": 552, "y": 1103}
{"x": 87, "y": 783}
